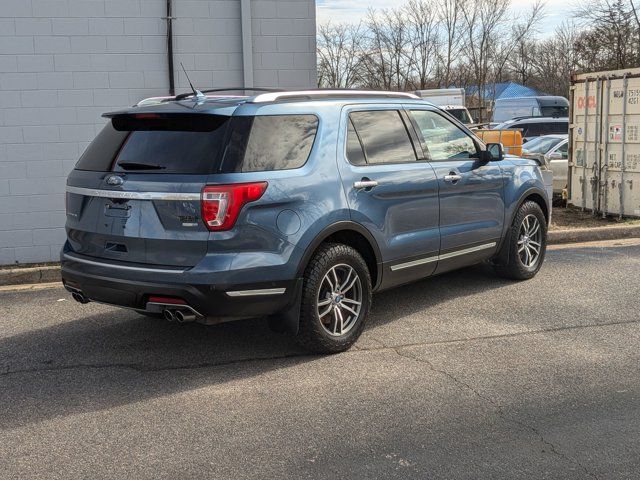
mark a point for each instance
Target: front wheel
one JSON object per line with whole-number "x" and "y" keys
{"x": 336, "y": 296}
{"x": 526, "y": 243}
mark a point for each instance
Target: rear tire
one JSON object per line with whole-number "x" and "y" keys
{"x": 526, "y": 244}
{"x": 336, "y": 297}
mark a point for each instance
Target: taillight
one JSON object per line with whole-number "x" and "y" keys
{"x": 221, "y": 204}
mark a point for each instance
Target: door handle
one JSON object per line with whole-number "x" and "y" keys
{"x": 365, "y": 183}
{"x": 452, "y": 178}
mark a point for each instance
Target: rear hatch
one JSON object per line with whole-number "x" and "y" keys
{"x": 135, "y": 194}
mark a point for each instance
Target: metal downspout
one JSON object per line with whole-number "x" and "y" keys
{"x": 247, "y": 44}
{"x": 169, "y": 18}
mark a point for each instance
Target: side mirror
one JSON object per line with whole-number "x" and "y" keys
{"x": 555, "y": 156}
{"x": 495, "y": 152}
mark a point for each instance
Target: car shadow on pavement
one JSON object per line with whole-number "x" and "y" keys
{"x": 115, "y": 358}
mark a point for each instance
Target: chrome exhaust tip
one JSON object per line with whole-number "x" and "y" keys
{"x": 79, "y": 297}
{"x": 168, "y": 315}
{"x": 184, "y": 317}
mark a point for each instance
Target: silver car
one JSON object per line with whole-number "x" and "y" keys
{"x": 553, "y": 150}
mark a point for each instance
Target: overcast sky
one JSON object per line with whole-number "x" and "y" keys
{"x": 354, "y": 10}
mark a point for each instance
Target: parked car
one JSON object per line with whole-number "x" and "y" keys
{"x": 296, "y": 206}
{"x": 460, "y": 113}
{"x": 552, "y": 150}
{"x": 532, "y": 127}
{"x": 451, "y": 100}
{"x": 543, "y": 106}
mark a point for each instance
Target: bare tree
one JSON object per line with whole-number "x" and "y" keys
{"x": 452, "y": 32}
{"x": 555, "y": 61}
{"x": 610, "y": 26}
{"x": 423, "y": 37}
{"x": 339, "y": 55}
{"x": 388, "y": 50}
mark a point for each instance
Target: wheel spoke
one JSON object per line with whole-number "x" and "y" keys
{"x": 341, "y": 287}
{"x": 353, "y": 282}
{"x": 349, "y": 309}
{"x": 352, "y": 301}
{"x": 328, "y": 280}
{"x": 340, "y": 320}
{"x": 328, "y": 310}
{"x": 335, "y": 277}
{"x": 324, "y": 302}
{"x": 534, "y": 228}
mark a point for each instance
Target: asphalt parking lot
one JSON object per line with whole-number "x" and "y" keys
{"x": 460, "y": 376}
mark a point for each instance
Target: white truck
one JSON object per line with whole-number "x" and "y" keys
{"x": 449, "y": 99}
{"x": 604, "y": 142}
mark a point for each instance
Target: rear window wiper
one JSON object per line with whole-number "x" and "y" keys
{"x": 140, "y": 166}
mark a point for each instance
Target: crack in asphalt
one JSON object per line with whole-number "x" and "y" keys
{"x": 145, "y": 369}
{"x": 383, "y": 347}
{"x": 500, "y": 410}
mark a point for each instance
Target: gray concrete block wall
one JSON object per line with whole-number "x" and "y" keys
{"x": 65, "y": 62}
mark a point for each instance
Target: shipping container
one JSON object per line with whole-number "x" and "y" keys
{"x": 604, "y": 143}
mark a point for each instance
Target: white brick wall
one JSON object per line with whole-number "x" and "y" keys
{"x": 65, "y": 62}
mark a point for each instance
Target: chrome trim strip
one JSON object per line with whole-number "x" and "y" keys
{"x": 414, "y": 263}
{"x": 121, "y": 267}
{"x": 261, "y": 291}
{"x": 435, "y": 258}
{"x": 467, "y": 250}
{"x": 94, "y": 192}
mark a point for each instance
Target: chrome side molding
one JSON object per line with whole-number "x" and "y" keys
{"x": 444, "y": 256}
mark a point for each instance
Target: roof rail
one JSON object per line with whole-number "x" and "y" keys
{"x": 328, "y": 93}
{"x": 228, "y": 89}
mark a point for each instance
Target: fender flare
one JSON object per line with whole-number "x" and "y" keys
{"x": 503, "y": 254}
{"x": 337, "y": 227}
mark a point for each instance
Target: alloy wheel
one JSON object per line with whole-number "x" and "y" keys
{"x": 530, "y": 241}
{"x": 339, "y": 300}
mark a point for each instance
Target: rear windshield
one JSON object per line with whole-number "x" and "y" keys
{"x": 201, "y": 145}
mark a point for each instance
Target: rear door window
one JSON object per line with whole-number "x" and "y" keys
{"x": 355, "y": 152}
{"x": 269, "y": 142}
{"x": 384, "y": 137}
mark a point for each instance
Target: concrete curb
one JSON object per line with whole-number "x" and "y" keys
{"x": 19, "y": 276}
{"x": 578, "y": 235}
{"x": 51, "y": 273}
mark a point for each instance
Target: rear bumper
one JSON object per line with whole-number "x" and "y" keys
{"x": 132, "y": 290}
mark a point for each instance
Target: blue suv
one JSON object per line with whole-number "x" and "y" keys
{"x": 294, "y": 206}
